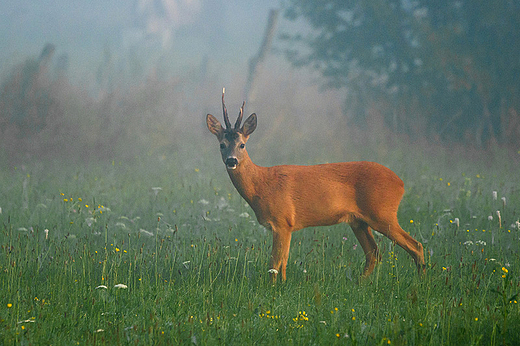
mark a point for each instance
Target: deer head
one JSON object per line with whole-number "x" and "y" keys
{"x": 232, "y": 139}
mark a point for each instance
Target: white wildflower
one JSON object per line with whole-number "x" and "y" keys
{"x": 121, "y": 286}
{"x": 273, "y": 271}
{"x": 457, "y": 222}
{"x": 26, "y": 321}
{"x": 46, "y": 231}
{"x": 468, "y": 242}
{"x": 121, "y": 224}
{"x": 99, "y": 331}
{"x": 495, "y": 195}
{"x": 156, "y": 190}
{"x": 244, "y": 214}
{"x": 102, "y": 286}
{"x": 145, "y": 232}
{"x": 480, "y": 242}
{"x": 222, "y": 203}
{"x": 90, "y": 221}
{"x": 490, "y": 218}
{"x": 503, "y": 201}
{"x": 203, "y": 202}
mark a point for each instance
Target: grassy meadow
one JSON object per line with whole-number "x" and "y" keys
{"x": 163, "y": 250}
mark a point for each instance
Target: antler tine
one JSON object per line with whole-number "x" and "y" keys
{"x": 240, "y": 115}
{"x": 226, "y": 118}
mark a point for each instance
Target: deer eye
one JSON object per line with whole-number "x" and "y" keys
{"x": 242, "y": 146}
{"x": 222, "y": 146}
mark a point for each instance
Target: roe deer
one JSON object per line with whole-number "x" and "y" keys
{"x": 286, "y": 198}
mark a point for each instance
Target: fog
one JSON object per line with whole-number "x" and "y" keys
{"x": 173, "y": 33}
{"x": 105, "y": 79}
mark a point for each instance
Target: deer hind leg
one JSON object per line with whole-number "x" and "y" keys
{"x": 366, "y": 239}
{"x": 280, "y": 253}
{"x": 395, "y": 233}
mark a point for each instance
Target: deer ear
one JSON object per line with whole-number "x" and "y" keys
{"x": 214, "y": 126}
{"x": 249, "y": 125}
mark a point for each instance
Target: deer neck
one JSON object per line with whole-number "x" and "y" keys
{"x": 246, "y": 178}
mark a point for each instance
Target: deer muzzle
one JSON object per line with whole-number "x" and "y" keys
{"x": 231, "y": 162}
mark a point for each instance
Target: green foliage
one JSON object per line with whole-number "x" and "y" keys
{"x": 444, "y": 67}
{"x": 193, "y": 262}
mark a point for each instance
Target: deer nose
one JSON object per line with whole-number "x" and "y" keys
{"x": 231, "y": 162}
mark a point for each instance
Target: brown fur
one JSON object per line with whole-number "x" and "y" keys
{"x": 287, "y": 198}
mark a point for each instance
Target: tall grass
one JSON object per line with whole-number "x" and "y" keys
{"x": 166, "y": 252}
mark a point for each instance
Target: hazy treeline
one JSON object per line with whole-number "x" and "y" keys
{"x": 44, "y": 114}
{"x": 439, "y": 75}
{"x": 443, "y": 69}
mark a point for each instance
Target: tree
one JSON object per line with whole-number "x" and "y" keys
{"x": 456, "y": 60}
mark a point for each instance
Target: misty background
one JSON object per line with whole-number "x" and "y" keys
{"x": 329, "y": 80}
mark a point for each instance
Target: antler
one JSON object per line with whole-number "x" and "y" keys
{"x": 240, "y": 115}
{"x": 226, "y": 118}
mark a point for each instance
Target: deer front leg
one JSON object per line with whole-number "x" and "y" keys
{"x": 280, "y": 253}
